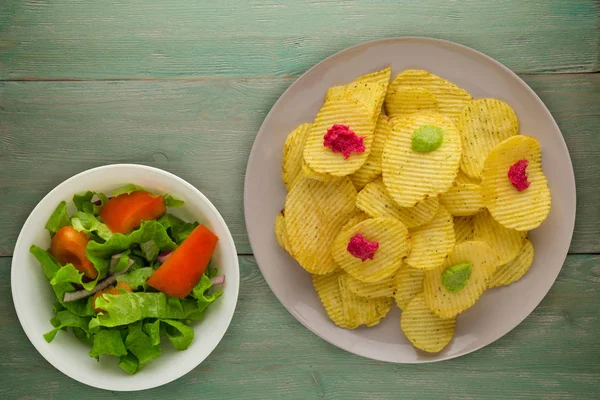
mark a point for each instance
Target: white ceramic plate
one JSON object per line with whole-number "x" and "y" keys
{"x": 33, "y": 296}
{"x": 499, "y": 310}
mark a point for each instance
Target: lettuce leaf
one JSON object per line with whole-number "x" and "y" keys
{"x": 178, "y": 229}
{"x": 50, "y": 266}
{"x": 200, "y": 293}
{"x": 64, "y": 319}
{"x": 69, "y": 274}
{"x": 108, "y": 341}
{"x": 180, "y": 335}
{"x": 129, "y": 363}
{"x": 83, "y": 202}
{"x": 99, "y": 253}
{"x": 88, "y": 223}
{"x": 127, "y": 189}
{"x": 152, "y": 329}
{"x": 137, "y": 278}
{"x": 140, "y": 344}
{"x": 58, "y": 219}
{"x": 127, "y": 308}
{"x": 173, "y": 202}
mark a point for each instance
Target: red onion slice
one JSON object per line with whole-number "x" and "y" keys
{"x": 106, "y": 282}
{"x": 218, "y": 280}
{"x": 164, "y": 256}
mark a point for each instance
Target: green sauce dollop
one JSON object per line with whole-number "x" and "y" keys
{"x": 427, "y": 138}
{"x": 456, "y": 277}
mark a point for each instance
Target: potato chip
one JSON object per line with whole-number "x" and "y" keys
{"x": 314, "y": 214}
{"x": 447, "y": 304}
{"x": 450, "y": 98}
{"x": 281, "y": 233}
{"x": 383, "y": 288}
{"x": 372, "y": 167}
{"x": 405, "y": 100}
{"x": 410, "y": 176}
{"x": 523, "y": 210}
{"x": 394, "y": 244}
{"x": 514, "y": 269}
{"x": 463, "y": 199}
{"x": 506, "y": 242}
{"x": 408, "y": 282}
{"x": 432, "y": 242}
{"x": 482, "y": 125}
{"x": 355, "y": 220}
{"x": 293, "y": 150}
{"x": 343, "y": 112}
{"x": 328, "y": 289}
{"x": 368, "y": 90}
{"x": 463, "y": 228}
{"x": 375, "y": 201}
{"x": 360, "y": 310}
{"x": 461, "y": 177}
{"x": 423, "y": 328}
{"x": 318, "y": 176}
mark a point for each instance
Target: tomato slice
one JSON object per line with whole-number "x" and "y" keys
{"x": 178, "y": 275}
{"x": 68, "y": 246}
{"x": 125, "y": 212}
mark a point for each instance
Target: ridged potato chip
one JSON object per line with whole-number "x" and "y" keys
{"x": 359, "y": 310}
{"x": 463, "y": 199}
{"x": 463, "y": 228}
{"x": 328, "y": 289}
{"x": 408, "y": 282}
{"x": 355, "y": 220}
{"x": 317, "y": 176}
{"x": 383, "y": 288}
{"x": 322, "y": 159}
{"x": 394, "y": 245}
{"x": 404, "y": 100}
{"x": 281, "y": 233}
{"x": 514, "y": 269}
{"x": 375, "y": 201}
{"x": 432, "y": 242}
{"x": 372, "y": 167}
{"x": 410, "y": 176}
{"x": 461, "y": 177}
{"x": 368, "y": 90}
{"x": 447, "y": 304}
{"x": 482, "y": 125}
{"x": 423, "y": 328}
{"x": 506, "y": 242}
{"x": 450, "y": 98}
{"x": 523, "y": 210}
{"x": 293, "y": 150}
{"x": 314, "y": 214}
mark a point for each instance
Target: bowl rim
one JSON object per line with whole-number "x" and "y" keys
{"x": 255, "y": 155}
{"x": 186, "y": 368}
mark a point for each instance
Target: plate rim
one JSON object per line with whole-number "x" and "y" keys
{"x": 254, "y": 154}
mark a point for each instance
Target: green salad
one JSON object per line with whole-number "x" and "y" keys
{"x": 127, "y": 274}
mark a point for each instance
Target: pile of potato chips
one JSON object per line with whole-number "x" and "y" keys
{"x": 427, "y": 210}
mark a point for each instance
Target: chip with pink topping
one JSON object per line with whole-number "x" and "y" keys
{"x": 361, "y": 247}
{"x": 343, "y": 140}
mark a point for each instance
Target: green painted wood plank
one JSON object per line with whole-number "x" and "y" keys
{"x": 52, "y": 130}
{"x": 267, "y": 354}
{"x": 110, "y": 39}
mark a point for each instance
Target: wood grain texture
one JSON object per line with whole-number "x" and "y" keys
{"x": 267, "y": 354}
{"x": 202, "y": 130}
{"x": 109, "y": 39}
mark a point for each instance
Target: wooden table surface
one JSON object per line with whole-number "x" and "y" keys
{"x": 184, "y": 85}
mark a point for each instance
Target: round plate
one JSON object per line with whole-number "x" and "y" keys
{"x": 499, "y": 310}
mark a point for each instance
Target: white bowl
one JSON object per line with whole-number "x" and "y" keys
{"x": 33, "y": 296}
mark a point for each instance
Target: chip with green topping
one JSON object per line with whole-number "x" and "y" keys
{"x": 455, "y": 278}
